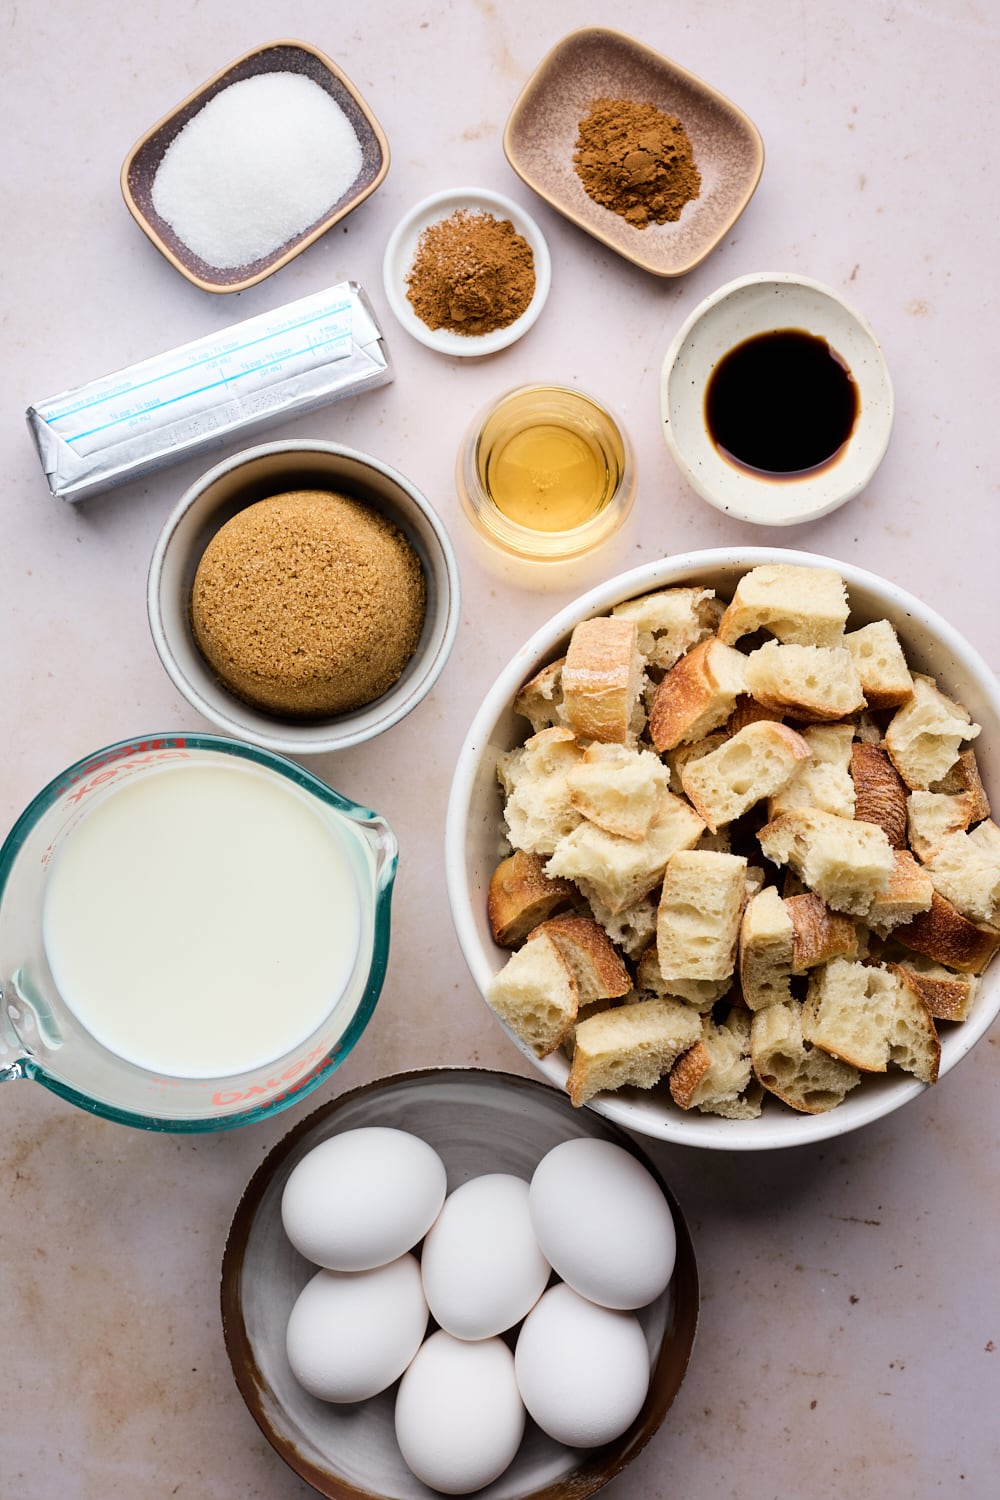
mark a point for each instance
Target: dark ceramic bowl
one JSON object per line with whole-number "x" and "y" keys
{"x": 541, "y": 132}
{"x": 478, "y": 1122}
{"x": 285, "y": 56}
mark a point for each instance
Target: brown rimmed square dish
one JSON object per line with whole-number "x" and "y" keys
{"x": 283, "y": 56}
{"x": 540, "y": 139}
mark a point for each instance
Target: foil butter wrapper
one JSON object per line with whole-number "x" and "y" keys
{"x": 202, "y": 395}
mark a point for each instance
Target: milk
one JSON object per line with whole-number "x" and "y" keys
{"x": 202, "y": 919}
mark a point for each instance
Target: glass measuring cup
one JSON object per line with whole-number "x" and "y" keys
{"x": 41, "y": 1036}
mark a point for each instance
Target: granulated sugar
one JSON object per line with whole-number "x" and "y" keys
{"x": 262, "y": 161}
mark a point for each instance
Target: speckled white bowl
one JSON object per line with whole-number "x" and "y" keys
{"x": 751, "y": 305}
{"x": 475, "y": 835}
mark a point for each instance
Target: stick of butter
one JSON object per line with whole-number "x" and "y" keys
{"x": 204, "y": 394}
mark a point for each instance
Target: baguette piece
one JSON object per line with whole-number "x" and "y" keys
{"x": 880, "y": 664}
{"x": 941, "y": 933}
{"x": 923, "y": 737}
{"x": 767, "y": 939}
{"x": 846, "y": 863}
{"x": 701, "y": 993}
{"x": 521, "y": 896}
{"x": 538, "y": 810}
{"x": 818, "y": 934}
{"x": 755, "y": 763}
{"x": 633, "y": 1044}
{"x": 803, "y": 605}
{"x": 803, "y": 1076}
{"x": 879, "y": 791}
{"x": 698, "y": 921}
{"x": 909, "y": 892}
{"x": 616, "y": 871}
{"x": 671, "y": 622}
{"x": 633, "y": 928}
{"x": 867, "y": 1016}
{"x": 540, "y": 699}
{"x": 824, "y": 780}
{"x": 965, "y": 869}
{"x": 932, "y": 816}
{"x": 814, "y": 683}
{"x": 697, "y": 695}
{"x": 715, "y": 1075}
{"x": 963, "y": 777}
{"x": 536, "y": 995}
{"x": 749, "y": 711}
{"x": 618, "y": 789}
{"x": 682, "y": 755}
{"x": 602, "y": 679}
{"x": 947, "y": 995}
{"x": 590, "y": 956}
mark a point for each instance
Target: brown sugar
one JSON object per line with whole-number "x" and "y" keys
{"x": 308, "y": 603}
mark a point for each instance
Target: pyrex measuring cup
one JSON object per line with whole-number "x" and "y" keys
{"x": 41, "y": 1034}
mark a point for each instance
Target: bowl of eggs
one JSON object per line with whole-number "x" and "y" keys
{"x": 451, "y": 1280}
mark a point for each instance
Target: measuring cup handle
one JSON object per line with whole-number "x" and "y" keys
{"x": 11, "y": 1049}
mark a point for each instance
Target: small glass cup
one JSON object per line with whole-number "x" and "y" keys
{"x": 41, "y": 1037}
{"x": 546, "y": 472}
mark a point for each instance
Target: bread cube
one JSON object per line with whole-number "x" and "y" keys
{"x": 633, "y": 1045}
{"x": 846, "y": 863}
{"x": 924, "y": 736}
{"x": 868, "y": 1017}
{"x": 813, "y": 683}
{"x": 803, "y": 605}
{"x": 698, "y": 921}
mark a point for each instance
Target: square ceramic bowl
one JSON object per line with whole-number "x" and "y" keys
{"x": 142, "y": 162}
{"x": 478, "y": 1122}
{"x": 240, "y": 481}
{"x": 541, "y": 132}
{"x": 475, "y": 839}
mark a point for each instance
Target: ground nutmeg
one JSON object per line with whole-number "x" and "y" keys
{"x": 637, "y": 161}
{"x": 471, "y": 273}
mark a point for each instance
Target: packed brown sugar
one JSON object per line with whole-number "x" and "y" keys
{"x": 308, "y": 603}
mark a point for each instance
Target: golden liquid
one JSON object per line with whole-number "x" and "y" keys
{"x": 550, "y": 459}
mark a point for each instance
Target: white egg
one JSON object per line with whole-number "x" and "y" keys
{"x": 459, "y": 1415}
{"x": 352, "y": 1333}
{"x": 481, "y": 1264}
{"x": 582, "y": 1370}
{"x": 603, "y": 1222}
{"x": 363, "y": 1198}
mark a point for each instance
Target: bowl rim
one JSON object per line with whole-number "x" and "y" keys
{"x": 878, "y": 423}
{"x": 681, "y": 1329}
{"x": 675, "y": 1126}
{"x": 446, "y": 340}
{"x": 695, "y": 81}
{"x": 284, "y": 738}
{"x": 305, "y": 240}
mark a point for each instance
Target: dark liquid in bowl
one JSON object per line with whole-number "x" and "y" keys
{"x": 782, "y": 404}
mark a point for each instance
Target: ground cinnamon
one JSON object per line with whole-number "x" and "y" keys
{"x": 471, "y": 273}
{"x": 636, "y": 161}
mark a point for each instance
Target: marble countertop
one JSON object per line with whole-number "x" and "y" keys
{"x": 850, "y": 1327}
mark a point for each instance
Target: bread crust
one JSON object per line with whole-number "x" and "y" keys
{"x": 943, "y": 934}
{"x": 597, "y": 966}
{"x": 818, "y": 934}
{"x": 697, "y": 695}
{"x": 879, "y": 791}
{"x": 602, "y": 679}
{"x": 521, "y": 896}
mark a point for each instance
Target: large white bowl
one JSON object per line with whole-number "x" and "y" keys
{"x": 475, "y": 840}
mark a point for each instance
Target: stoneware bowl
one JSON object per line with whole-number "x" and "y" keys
{"x": 541, "y": 132}
{"x": 284, "y": 56}
{"x": 478, "y": 1122}
{"x": 401, "y": 249}
{"x": 761, "y": 303}
{"x": 252, "y": 475}
{"x": 475, "y": 835}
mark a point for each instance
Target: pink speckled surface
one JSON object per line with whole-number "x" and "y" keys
{"x": 850, "y": 1329}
